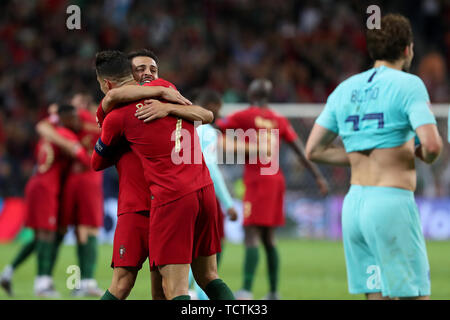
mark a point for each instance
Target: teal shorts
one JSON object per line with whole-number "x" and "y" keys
{"x": 383, "y": 243}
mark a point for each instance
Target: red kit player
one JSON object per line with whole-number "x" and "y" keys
{"x": 264, "y": 182}
{"x": 183, "y": 217}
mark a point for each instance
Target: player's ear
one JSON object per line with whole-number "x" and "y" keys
{"x": 411, "y": 49}
{"x": 408, "y": 50}
{"x": 108, "y": 84}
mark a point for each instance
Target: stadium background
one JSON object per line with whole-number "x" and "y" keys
{"x": 305, "y": 47}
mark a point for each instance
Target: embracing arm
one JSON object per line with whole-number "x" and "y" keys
{"x": 46, "y": 130}
{"x": 71, "y": 147}
{"x": 105, "y": 159}
{"x": 154, "y": 109}
{"x": 131, "y": 93}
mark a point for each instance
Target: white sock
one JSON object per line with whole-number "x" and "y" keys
{"x": 88, "y": 283}
{"x": 42, "y": 282}
{"x": 7, "y": 272}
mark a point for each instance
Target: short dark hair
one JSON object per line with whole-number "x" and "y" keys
{"x": 259, "y": 91}
{"x": 112, "y": 64}
{"x": 143, "y": 53}
{"x": 208, "y": 97}
{"x": 388, "y": 42}
{"x": 65, "y": 109}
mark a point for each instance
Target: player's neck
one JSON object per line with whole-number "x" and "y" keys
{"x": 260, "y": 105}
{"x": 125, "y": 82}
{"x": 398, "y": 65}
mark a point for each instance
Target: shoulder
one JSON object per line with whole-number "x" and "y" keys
{"x": 410, "y": 81}
{"x": 161, "y": 82}
{"x": 206, "y": 131}
{"x": 66, "y": 133}
{"x": 407, "y": 85}
{"x": 235, "y": 116}
{"x": 203, "y": 128}
{"x": 117, "y": 115}
{"x": 250, "y": 111}
{"x": 86, "y": 116}
{"x": 277, "y": 115}
{"x": 351, "y": 80}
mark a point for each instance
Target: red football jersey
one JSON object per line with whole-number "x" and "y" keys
{"x": 169, "y": 150}
{"x": 52, "y": 163}
{"x": 87, "y": 138}
{"x": 258, "y": 118}
{"x": 134, "y": 193}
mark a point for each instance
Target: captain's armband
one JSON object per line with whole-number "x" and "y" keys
{"x": 102, "y": 149}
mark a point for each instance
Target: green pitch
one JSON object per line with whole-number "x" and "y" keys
{"x": 309, "y": 270}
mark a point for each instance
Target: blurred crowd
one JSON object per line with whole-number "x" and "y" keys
{"x": 305, "y": 47}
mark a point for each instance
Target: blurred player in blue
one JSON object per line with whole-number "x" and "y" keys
{"x": 209, "y": 138}
{"x": 377, "y": 113}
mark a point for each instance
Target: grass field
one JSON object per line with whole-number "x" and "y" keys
{"x": 309, "y": 270}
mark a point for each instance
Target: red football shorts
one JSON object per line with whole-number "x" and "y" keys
{"x": 220, "y": 220}
{"x": 82, "y": 202}
{"x": 42, "y": 206}
{"x": 264, "y": 201}
{"x": 130, "y": 247}
{"x": 184, "y": 229}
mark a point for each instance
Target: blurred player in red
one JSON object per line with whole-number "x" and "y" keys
{"x": 43, "y": 191}
{"x": 131, "y": 236}
{"x": 264, "y": 193}
{"x": 82, "y": 199}
{"x": 183, "y": 219}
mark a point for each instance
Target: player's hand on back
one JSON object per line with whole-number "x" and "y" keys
{"x": 174, "y": 96}
{"x": 232, "y": 214}
{"x": 152, "y": 109}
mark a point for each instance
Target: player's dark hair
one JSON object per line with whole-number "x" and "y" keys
{"x": 112, "y": 65}
{"x": 65, "y": 109}
{"x": 143, "y": 53}
{"x": 208, "y": 97}
{"x": 388, "y": 42}
{"x": 259, "y": 91}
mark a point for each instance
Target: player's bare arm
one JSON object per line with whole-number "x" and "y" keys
{"x": 430, "y": 143}
{"x": 46, "y": 130}
{"x": 154, "y": 109}
{"x": 131, "y": 93}
{"x": 320, "y": 148}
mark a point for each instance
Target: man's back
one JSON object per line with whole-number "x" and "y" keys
{"x": 256, "y": 118}
{"x": 169, "y": 151}
{"x": 376, "y": 113}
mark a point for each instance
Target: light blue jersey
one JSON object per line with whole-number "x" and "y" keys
{"x": 378, "y": 108}
{"x": 208, "y": 137}
{"x": 383, "y": 241}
